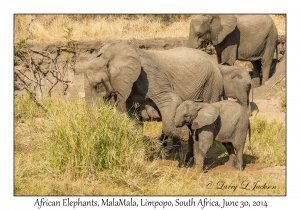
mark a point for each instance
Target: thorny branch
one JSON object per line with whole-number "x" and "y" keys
{"x": 38, "y": 102}
{"x": 36, "y": 75}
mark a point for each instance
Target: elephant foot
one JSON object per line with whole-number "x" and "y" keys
{"x": 199, "y": 168}
{"x": 189, "y": 160}
{"x": 234, "y": 162}
{"x": 231, "y": 161}
{"x": 238, "y": 168}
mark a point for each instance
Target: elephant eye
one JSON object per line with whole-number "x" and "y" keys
{"x": 98, "y": 87}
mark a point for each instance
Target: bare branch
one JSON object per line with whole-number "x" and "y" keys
{"x": 277, "y": 82}
{"x": 37, "y": 76}
{"x": 37, "y": 101}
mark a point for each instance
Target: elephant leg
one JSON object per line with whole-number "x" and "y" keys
{"x": 189, "y": 157}
{"x": 239, "y": 158}
{"x": 172, "y": 145}
{"x": 230, "y": 149}
{"x": 163, "y": 139}
{"x": 199, "y": 157}
{"x": 239, "y": 148}
{"x": 256, "y": 73}
{"x": 266, "y": 63}
{"x": 167, "y": 105}
{"x": 176, "y": 145}
{"x": 226, "y": 52}
{"x": 267, "y": 58}
{"x": 202, "y": 144}
{"x": 266, "y": 68}
{"x": 248, "y": 107}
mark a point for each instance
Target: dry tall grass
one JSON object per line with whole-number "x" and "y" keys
{"x": 54, "y": 156}
{"x": 52, "y": 28}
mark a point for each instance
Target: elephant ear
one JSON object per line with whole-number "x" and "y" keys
{"x": 236, "y": 73}
{"x": 206, "y": 116}
{"x": 229, "y": 71}
{"x": 124, "y": 67}
{"x": 221, "y": 26}
{"x": 104, "y": 48}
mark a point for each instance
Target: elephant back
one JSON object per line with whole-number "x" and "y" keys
{"x": 194, "y": 74}
{"x": 232, "y": 113}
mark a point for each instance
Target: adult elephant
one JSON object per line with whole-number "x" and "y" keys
{"x": 129, "y": 75}
{"x": 238, "y": 37}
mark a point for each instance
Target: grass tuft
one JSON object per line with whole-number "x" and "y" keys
{"x": 282, "y": 99}
{"x": 268, "y": 142}
{"x": 97, "y": 138}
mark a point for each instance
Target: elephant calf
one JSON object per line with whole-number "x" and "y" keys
{"x": 237, "y": 84}
{"x": 224, "y": 121}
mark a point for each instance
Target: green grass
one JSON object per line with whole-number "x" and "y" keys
{"x": 95, "y": 138}
{"x": 82, "y": 139}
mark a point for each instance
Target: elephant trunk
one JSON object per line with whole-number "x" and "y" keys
{"x": 193, "y": 39}
{"x": 178, "y": 120}
{"x": 90, "y": 95}
{"x": 193, "y": 42}
{"x": 121, "y": 107}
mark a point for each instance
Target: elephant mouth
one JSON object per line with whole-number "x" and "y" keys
{"x": 202, "y": 49}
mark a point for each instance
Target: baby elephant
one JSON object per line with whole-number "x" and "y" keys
{"x": 224, "y": 121}
{"x": 237, "y": 84}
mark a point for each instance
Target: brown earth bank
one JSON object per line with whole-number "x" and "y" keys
{"x": 55, "y": 69}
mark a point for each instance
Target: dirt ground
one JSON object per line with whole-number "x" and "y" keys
{"x": 267, "y": 98}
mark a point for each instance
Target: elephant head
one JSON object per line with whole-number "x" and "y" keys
{"x": 210, "y": 28}
{"x": 112, "y": 73}
{"x": 195, "y": 113}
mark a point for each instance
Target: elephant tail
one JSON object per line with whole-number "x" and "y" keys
{"x": 249, "y": 130}
{"x": 276, "y": 50}
{"x": 251, "y": 88}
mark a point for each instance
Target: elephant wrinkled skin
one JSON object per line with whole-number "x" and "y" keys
{"x": 224, "y": 121}
{"x": 167, "y": 78}
{"x": 237, "y": 84}
{"x": 238, "y": 37}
